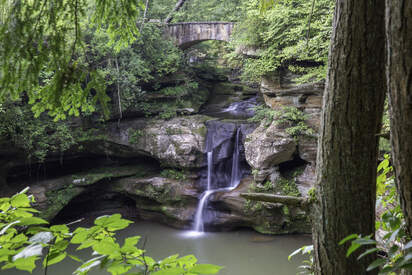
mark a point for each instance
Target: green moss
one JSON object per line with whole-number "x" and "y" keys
{"x": 312, "y": 195}
{"x": 57, "y": 199}
{"x": 265, "y": 228}
{"x": 173, "y": 174}
{"x": 285, "y": 210}
{"x": 267, "y": 187}
{"x": 135, "y": 135}
{"x": 96, "y": 175}
{"x": 287, "y": 187}
{"x": 202, "y": 131}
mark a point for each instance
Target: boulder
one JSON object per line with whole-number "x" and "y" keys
{"x": 267, "y": 147}
{"x": 268, "y": 218}
{"x": 178, "y": 142}
{"x": 170, "y": 201}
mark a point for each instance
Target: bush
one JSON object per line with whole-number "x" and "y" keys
{"x": 280, "y": 36}
{"x": 395, "y": 250}
{"x": 289, "y": 118}
{"x": 24, "y": 237}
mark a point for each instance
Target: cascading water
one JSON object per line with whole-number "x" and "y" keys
{"x": 198, "y": 227}
{"x": 235, "y": 178}
{"x": 209, "y": 169}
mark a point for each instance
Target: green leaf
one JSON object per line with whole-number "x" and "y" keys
{"x": 79, "y": 236}
{"x": 62, "y": 228}
{"x": 350, "y": 237}
{"x": 32, "y": 220}
{"x": 54, "y": 258}
{"x": 113, "y": 222}
{"x": 205, "y": 269}
{"x": 5, "y": 206}
{"x": 353, "y": 247}
{"x": 4, "y": 230}
{"x": 107, "y": 247}
{"x": 20, "y": 200}
{"x": 188, "y": 259}
{"x": 131, "y": 241}
{"x": 84, "y": 268}
{"x": 118, "y": 268}
{"x": 170, "y": 271}
{"x": 367, "y": 252}
{"x": 27, "y": 264}
{"x": 170, "y": 259}
{"x": 375, "y": 264}
{"x": 364, "y": 241}
{"x": 294, "y": 253}
{"x": 75, "y": 258}
{"x": 383, "y": 164}
{"x": 307, "y": 249}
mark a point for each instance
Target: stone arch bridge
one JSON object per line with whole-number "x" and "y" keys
{"x": 187, "y": 34}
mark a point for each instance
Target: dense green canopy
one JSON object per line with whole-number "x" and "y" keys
{"x": 42, "y": 50}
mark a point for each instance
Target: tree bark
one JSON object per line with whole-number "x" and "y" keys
{"x": 399, "y": 76}
{"x": 348, "y": 145}
{"x": 179, "y": 4}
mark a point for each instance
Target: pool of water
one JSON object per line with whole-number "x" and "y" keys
{"x": 241, "y": 252}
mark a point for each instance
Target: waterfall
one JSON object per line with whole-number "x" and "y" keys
{"x": 235, "y": 179}
{"x": 209, "y": 169}
{"x": 198, "y": 226}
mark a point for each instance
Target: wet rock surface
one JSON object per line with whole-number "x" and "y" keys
{"x": 123, "y": 171}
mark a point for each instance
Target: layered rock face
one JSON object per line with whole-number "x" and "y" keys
{"x": 156, "y": 169}
{"x": 269, "y": 147}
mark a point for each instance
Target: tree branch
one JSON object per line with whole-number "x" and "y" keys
{"x": 289, "y": 200}
{"x": 179, "y": 4}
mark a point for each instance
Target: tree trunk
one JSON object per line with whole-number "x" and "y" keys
{"x": 348, "y": 145}
{"x": 179, "y": 4}
{"x": 399, "y": 76}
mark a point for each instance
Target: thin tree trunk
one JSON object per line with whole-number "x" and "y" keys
{"x": 119, "y": 100}
{"x": 179, "y": 4}
{"x": 146, "y": 8}
{"x": 348, "y": 145}
{"x": 399, "y": 76}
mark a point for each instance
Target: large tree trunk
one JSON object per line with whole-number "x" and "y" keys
{"x": 399, "y": 75}
{"x": 347, "y": 151}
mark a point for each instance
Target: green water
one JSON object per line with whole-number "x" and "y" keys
{"x": 241, "y": 252}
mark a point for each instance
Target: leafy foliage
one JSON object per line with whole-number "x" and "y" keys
{"x": 307, "y": 266}
{"x": 48, "y": 35}
{"x": 35, "y": 137}
{"x": 197, "y": 10}
{"x": 397, "y": 244}
{"x": 148, "y": 59}
{"x": 283, "y": 38}
{"x": 173, "y": 174}
{"x": 135, "y": 135}
{"x": 288, "y": 117}
{"x": 24, "y": 237}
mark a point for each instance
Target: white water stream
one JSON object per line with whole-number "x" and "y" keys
{"x": 198, "y": 226}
